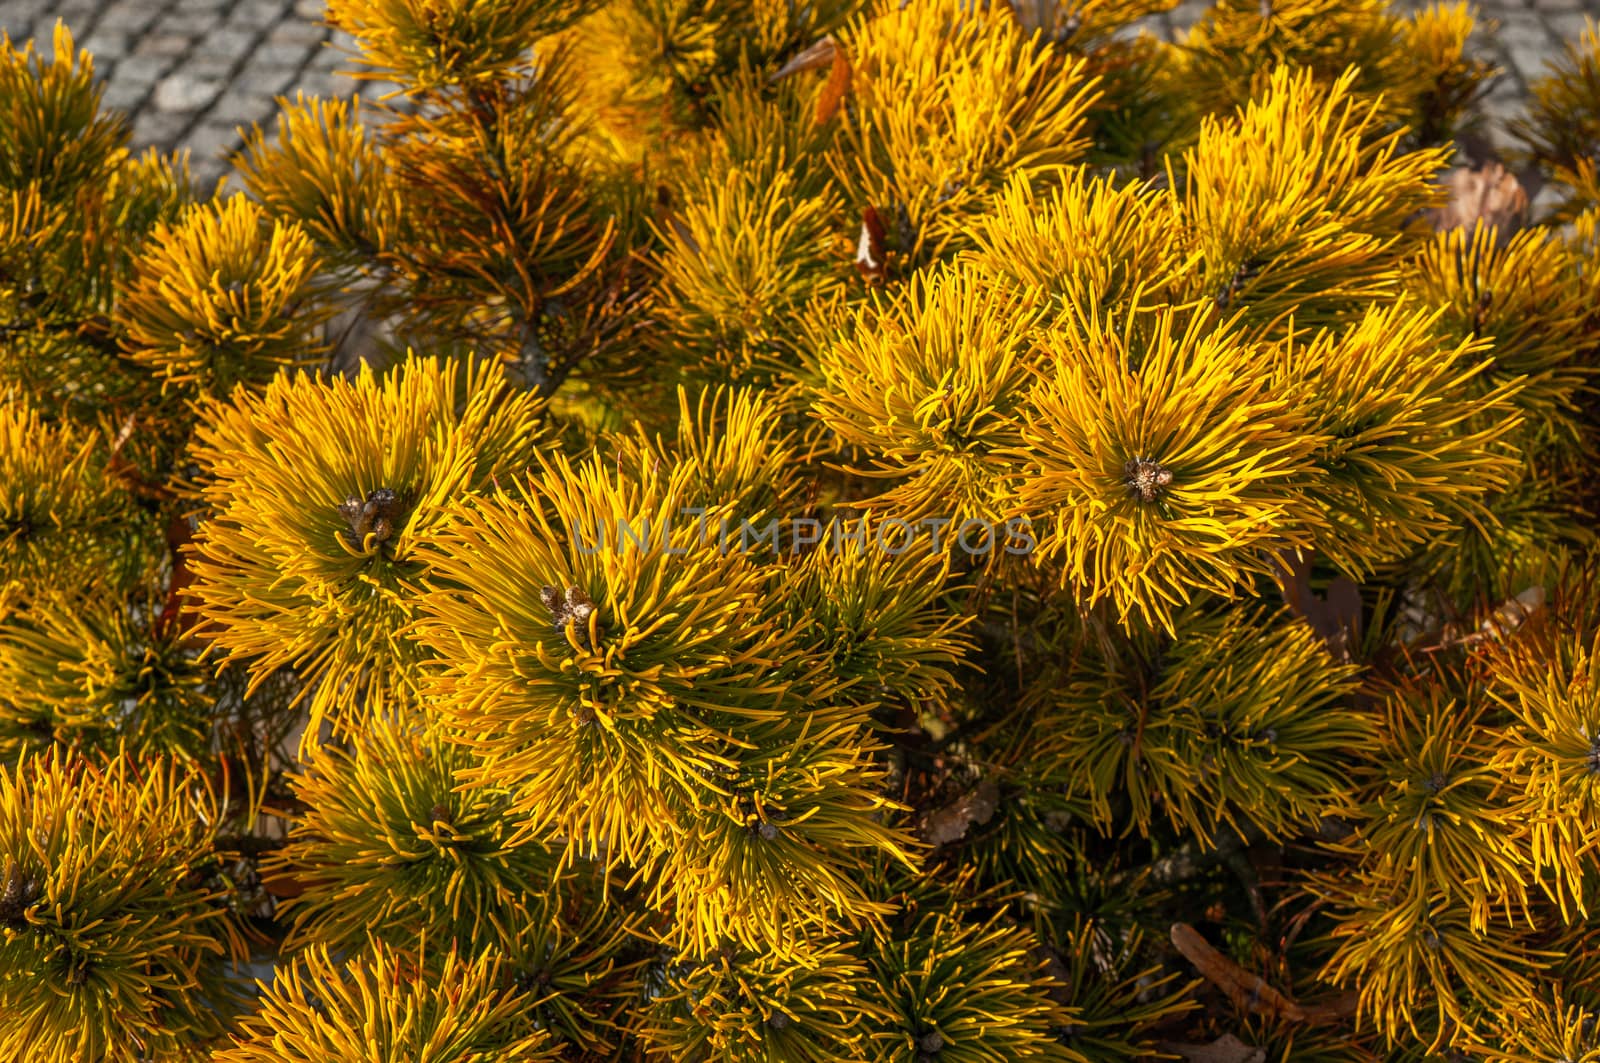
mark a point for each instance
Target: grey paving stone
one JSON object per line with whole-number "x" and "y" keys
{"x": 1502, "y": 113}
{"x": 258, "y": 14}
{"x": 208, "y": 176}
{"x": 130, "y": 15}
{"x": 220, "y": 62}
{"x": 291, "y": 54}
{"x": 17, "y": 18}
{"x": 1529, "y": 60}
{"x": 1567, "y": 28}
{"x": 77, "y": 14}
{"x": 205, "y": 63}
{"x": 164, "y": 44}
{"x": 241, "y": 106}
{"x": 124, "y": 93}
{"x": 374, "y": 90}
{"x": 106, "y": 44}
{"x": 181, "y": 91}
{"x": 324, "y": 83}
{"x": 298, "y": 32}
{"x": 158, "y": 128}
{"x": 1503, "y": 86}
{"x": 327, "y": 57}
{"x": 143, "y": 70}
{"x": 195, "y": 25}
{"x": 263, "y": 77}
{"x": 228, "y": 43}
{"x": 1545, "y": 202}
{"x": 342, "y": 41}
{"x": 1522, "y": 25}
{"x": 1186, "y": 14}
{"x": 212, "y": 141}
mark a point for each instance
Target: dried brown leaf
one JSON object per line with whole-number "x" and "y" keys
{"x": 838, "y": 86}
{"x": 816, "y": 57}
{"x": 1225, "y": 1049}
{"x": 284, "y": 885}
{"x": 871, "y": 252}
{"x": 951, "y": 823}
{"x": 1489, "y": 193}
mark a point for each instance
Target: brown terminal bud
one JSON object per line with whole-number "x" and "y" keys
{"x": 1146, "y": 479}
{"x": 572, "y": 606}
{"x": 375, "y": 515}
{"x": 18, "y": 893}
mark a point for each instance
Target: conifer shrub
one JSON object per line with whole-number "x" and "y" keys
{"x": 913, "y": 530}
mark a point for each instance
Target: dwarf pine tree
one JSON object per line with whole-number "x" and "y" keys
{"x": 917, "y": 530}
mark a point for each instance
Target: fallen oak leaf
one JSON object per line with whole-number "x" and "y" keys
{"x": 1506, "y": 618}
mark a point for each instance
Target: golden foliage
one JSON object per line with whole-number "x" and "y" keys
{"x": 312, "y": 559}
{"x": 224, "y": 297}
{"x": 774, "y": 531}
{"x": 107, "y": 889}
{"x": 948, "y": 102}
{"x": 385, "y": 1006}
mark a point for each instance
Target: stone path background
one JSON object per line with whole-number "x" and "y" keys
{"x": 191, "y": 72}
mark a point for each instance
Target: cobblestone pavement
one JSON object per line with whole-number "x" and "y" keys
{"x": 191, "y": 72}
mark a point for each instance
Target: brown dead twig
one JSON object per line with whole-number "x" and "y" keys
{"x": 1250, "y": 992}
{"x": 1337, "y": 617}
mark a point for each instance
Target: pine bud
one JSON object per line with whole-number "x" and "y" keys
{"x": 572, "y": 607}
{"x": 1146, "y": 479}
{"x": 375, "y": 516}
{"x": 17, "y": 894}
